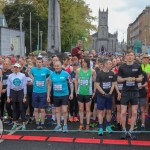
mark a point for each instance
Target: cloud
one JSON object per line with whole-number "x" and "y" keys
{"x": 121, "y": 13}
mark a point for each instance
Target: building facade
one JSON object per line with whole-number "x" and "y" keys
{"x": 139, "y": 31}
{"x": 103, "y": 40}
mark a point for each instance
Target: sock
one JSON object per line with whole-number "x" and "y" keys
{"x": 100, "y": 125}
{"x": 53, "y": 118}
{"x": 42, "y": 123}
{"x": 107, "y": 123}
{"x": 142, "y": 125}
{"x": 37, "y": 123}
{"x": 62, "y": 118}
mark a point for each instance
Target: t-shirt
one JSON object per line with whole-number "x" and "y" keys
{"x": 126, "y": 71}
{"x": 40, "y": 75}
{"x": 105, "y": 79}
{"x": 142, "y": 91}
{"x": 60, "y": 83}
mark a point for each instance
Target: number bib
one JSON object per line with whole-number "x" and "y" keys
{"x": 58, "y": 87}
{"x": 120, "y": 86}
{"x": 130, "y": 83}
{"x": 106, "y": 85}
{"x": 84, "y": 82}
{"x": 40, "y": 83}
{"x": 4, "y": 82}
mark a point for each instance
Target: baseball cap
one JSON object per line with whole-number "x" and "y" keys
{"x": 145, "y": 56}
{"x": 17, "y": 65}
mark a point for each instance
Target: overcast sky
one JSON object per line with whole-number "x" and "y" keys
{"x": 121, "y": 13}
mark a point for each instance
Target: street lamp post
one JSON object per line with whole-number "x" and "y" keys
{"x": 41, "y": 34}
{"x": 21, "y": 39}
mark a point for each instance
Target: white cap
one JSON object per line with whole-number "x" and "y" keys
{"x": 17, "y": 65}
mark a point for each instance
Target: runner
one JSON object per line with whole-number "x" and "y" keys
{"x": 16, "y": 93}
{"x": 84, "y": 91}
{"x": 39, "y": 75}
{"x": 5, "y": 73}
{"x": 142, "y": 98}
{"x": 129, "y": 73}
{"x": 105, "y": 83}
{"x": 60, "y": 79}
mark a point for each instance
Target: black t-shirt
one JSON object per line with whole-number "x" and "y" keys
{"x": 142, "y": 91}
{"x": 105, "y": 79}
{"x": 5, "y": 75}
{"x": 126, "y": 71}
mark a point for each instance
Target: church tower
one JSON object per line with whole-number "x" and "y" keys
{"x": 103, "y": 41}
{"x": 103, "y": 24}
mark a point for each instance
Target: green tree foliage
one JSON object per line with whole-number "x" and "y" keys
{"x": 76, "y": 20}
{"x": 75, "y": 23}
{"x": 13, "y": 11}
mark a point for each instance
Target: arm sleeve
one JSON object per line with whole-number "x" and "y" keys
{"x": 120, "y": 72}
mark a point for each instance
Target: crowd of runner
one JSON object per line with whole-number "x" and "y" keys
{"x": 76, "y": 86}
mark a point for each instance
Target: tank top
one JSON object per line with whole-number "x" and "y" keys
{"x": 85, "y": 82}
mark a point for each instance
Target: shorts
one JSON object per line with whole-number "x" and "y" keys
{"x": 60, "y": 100}
{"x": 84, "y": 98}
{"x": 129, "y": 97}
{"x": 104, "y": 103}
{"x": 16, "y": 96}
{"x": 142, "y": 102}
{"x": 39, "y": 100}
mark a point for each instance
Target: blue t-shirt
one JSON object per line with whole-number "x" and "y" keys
{"x": 60, "y": 83}
{"x": 40, "y": 75}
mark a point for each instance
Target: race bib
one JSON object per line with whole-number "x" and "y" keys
{"x": 139, "y": 84}
{"x": 120, "y": 86}
{"x": 130, "y": 83}
{"x": 58, "y": 87}
{"x": 106, "y": 85}
{"x": 40, "y": 83}
{"x": 4, "y": 82}
{"x": 84, "y": 82}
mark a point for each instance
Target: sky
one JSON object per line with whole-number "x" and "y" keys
{"x": 120, "y": 13}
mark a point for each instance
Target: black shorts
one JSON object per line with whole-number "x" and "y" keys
{"x": 16, "y": 96}
{"x": 60, "y": 100}
{"x": 84, "y": 98}
{"x": 129, "y": 97}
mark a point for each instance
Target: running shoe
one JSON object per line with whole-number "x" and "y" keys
{"x": 58, "y": 128}
{"x": 81, "y": 127}
{"x": 24, "y": 128}
{"x": 108, "y": 129}
{"x": 65, "y": 128}
{"x": 142, "y": 128}
{"x": 14, "y": 127}
{"x": 76, "y": 119}
{"x": 87, "y": 128}
{"x": 37, "y": 127}
{"x": 123, "y": 134}
{"x": 42, "y": 127}
{"x": 132, "y": 135}
{"x": 70, "y": 119}
{"x": 93, "y": 124}
{"x": 100, "y": 132}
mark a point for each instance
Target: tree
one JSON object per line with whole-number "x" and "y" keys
{"x": 13, "y": 11}
{"x": 75, "y": 20}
